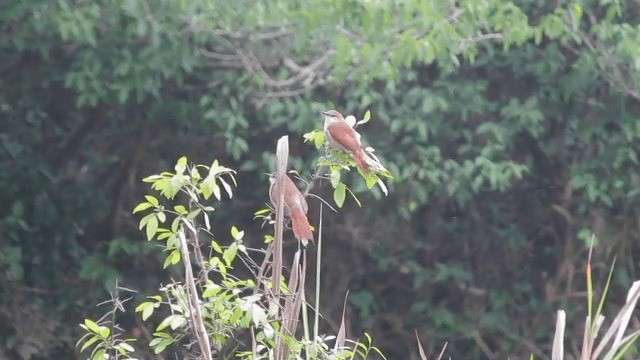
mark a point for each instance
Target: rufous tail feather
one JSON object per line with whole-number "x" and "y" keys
{"x": 300, "y": 225}
{"x": 359, "y": 157}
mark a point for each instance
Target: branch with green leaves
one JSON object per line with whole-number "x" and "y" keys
{"x": 337, "y": 161}
{"x": 215, "y": 309}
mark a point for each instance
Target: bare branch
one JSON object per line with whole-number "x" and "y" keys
{"x": 271, "y": 35}
{"x": 218, "y": 56}
{"x": 609, "y": 66}
{"x": 472, "y": 40}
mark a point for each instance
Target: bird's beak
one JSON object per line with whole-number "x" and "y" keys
{"x": 324, "y": 113}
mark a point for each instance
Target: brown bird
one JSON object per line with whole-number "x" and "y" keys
{"x": 344, "y": 137}
{"x": 295, "y": 206}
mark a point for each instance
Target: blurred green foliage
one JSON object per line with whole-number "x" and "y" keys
{"x": 511, "y": 128}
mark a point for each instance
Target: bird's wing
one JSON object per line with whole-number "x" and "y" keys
{"x": 294, "y": 196}
{"x": 345, "y": 135}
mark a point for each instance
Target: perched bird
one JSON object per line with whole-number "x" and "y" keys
{"x": 343, "y": 136}
{"x": 295, "y": 206}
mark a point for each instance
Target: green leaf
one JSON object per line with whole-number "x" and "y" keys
{"x": 216, "y": 263}
{"x": 124, "y": 348}
{"x": 165, "y": 322}
{"x": 216, "y": 247}
{"x": 173, "y": 258}
{"x": 206, "y": 189}
{"x": 147, "y": 309}
{"x": 161, "y": 335}
{"x": 365, "y": 119}
{"x": 180, "y": 209}
{"x": 175, "y": 224}
{"x": 339, "y": 194}
{"x": 195, "y": 174}
{"x": 153, "y": 178}
{"x": 141, "y": 306}
{"x": 161, "y": 185}
{"x": 237, "y": 314}
{"x": 174, "y": 185}
{"x": 152, "y": 227}
{"x": 145, "y": 220}
{"x": 181, "y": 165}
{"x": 100, "y": 354}
{"x": 192, "y": 215}
{"x": 159, "y": 344}
{"x": 236, "y": 234}
{"x": 211, "y": 290}
{"x": 92, "y": 326}
{"x": 162, "y": 217}
{"x": 230, "y": 253}
{"x": 89, "y": 342}
{"x": 316, "y": 137}
{"x": 371, "y": 180}
{"x": 152, "y": 200}
{"x": 334, "y": 177}
{"x": 141, "y": 207}
{"x": 178, "y": 322}
{"x": 105, "y": 332}
{"x": 165, "y": 233}
{"x": 262, "y": 212}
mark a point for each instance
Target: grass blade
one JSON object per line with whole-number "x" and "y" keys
{"x": 615, "y": 325}
{"x": 316, "y": 317}
{"x": 442, "y": 351}
{"x": 423, "y": 355}
{"x": 628, "y": 341}
{"x": 341, "y": 338}
{"x": 627, "y": 315}
{"x": 590, "y": 284}
{"x": 587, "y": 343}
{"x": 605, "y": 292}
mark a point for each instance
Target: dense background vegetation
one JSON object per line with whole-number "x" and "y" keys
{"x": 512, "y": 128}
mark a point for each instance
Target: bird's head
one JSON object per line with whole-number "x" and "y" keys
{"x": 332, "y": 115}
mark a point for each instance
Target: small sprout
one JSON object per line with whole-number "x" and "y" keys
{"x": 365, "y": 119}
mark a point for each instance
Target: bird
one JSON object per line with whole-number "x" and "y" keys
{"x": 343, "y": 136}
{"x": 295, "y": 206}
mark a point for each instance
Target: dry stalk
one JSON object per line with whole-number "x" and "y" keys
{"x": 195, "y": 315}
{"x": 282, "y": 156}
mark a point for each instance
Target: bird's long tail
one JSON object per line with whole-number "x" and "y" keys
{"x": 300, "y": 225}
{"x": 359, "y": 156}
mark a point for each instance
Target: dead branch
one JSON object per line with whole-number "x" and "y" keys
{"x": 195, "y": 315}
